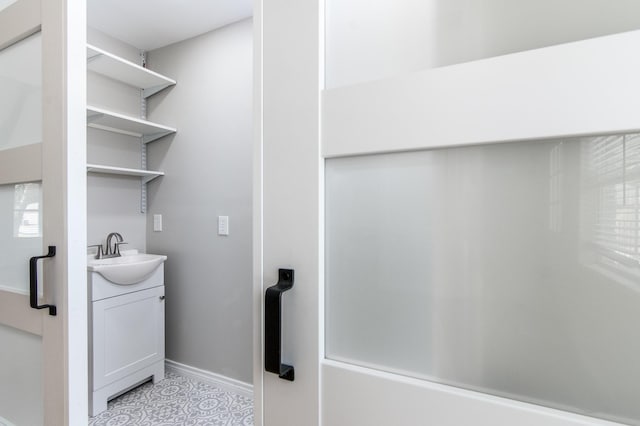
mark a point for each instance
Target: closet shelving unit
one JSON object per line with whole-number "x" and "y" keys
{"x": 149, "y": 83}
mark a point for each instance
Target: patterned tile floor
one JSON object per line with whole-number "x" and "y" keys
{"x": 177, "y": 401}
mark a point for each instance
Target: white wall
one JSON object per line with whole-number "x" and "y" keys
{"x": 208, "y": 167}
{"x": 369, "y": 40}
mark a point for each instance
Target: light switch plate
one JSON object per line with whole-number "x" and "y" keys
{"x": 223, "y": 225}
{"x": 157, "y": 223}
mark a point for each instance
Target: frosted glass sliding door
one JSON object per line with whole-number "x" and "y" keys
{"x": 21, "y": 231}
{"x": 375, "y": 39}
{"x": 6, "y": 3}
{"x": 512, "y": 269}
{"x": 21, "y": 88}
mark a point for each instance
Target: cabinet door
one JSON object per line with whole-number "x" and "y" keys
{"x": 128, "y": 334}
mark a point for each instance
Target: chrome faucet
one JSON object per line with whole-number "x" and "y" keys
{"x": 111, "y": 250}
{"x": 115, "y": 251}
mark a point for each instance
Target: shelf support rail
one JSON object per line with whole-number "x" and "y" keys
{"x": 143, "y": 141}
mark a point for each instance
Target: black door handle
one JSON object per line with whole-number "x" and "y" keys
{"x": 272, "y": 326}
{"x": 33, "y": 282}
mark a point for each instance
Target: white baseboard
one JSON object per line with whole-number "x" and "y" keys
{"x": 218, "y": 380}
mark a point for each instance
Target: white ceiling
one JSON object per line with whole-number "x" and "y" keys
{"x": 150, "y": 24}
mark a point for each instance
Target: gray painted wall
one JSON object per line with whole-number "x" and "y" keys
{"x": 208, "y": 167}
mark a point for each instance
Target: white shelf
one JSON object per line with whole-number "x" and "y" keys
{"x": 112, "y": 66}
{"x": 146, "y": 175}
{"x": 103, "y": 119}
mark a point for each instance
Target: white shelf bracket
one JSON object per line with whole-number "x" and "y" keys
{"x": 145, "y": 181}
{"x": 150, "y": 138}
{"x": 93, "y": 117}
{"x": 93, "y": 57}
{"x": 150, "y": 91}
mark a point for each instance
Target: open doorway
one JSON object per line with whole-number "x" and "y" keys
{"x": 170, "y": 170}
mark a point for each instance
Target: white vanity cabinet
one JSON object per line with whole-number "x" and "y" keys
{"x": 127, "y": 345}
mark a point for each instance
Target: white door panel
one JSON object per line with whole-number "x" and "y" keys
{"x": 582, "y": 88}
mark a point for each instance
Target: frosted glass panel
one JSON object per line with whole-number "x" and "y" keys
{"x": 3, "y": 5}
{"x": 21, "y": 89}
{"x": 373, "y": 39}
{"x": 20, "y": 233}
{"x": 20, "y": 378}
{"x": 512, "y": 269}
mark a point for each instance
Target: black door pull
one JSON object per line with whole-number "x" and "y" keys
{"x": 33, "y": 282}
{"x": 273, "y": 326}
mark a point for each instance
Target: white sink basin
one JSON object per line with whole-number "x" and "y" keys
{"x": 126, "y": 269}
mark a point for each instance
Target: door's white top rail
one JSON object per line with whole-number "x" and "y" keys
{"x": 584, "y": 88}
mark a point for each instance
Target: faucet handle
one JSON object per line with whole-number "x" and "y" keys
{"x": 118, "y": 244}
{"x": 99, "y": 253}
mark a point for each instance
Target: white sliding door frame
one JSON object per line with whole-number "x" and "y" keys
{"x": 59, "y": 162}
{"x": 287, "y": 221}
